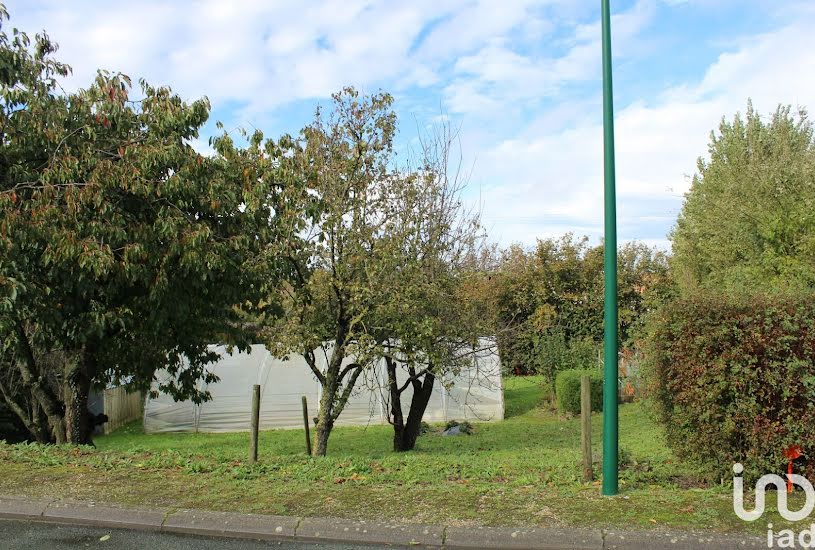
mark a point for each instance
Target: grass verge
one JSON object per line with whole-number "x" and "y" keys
{"x": 524, "y": 471}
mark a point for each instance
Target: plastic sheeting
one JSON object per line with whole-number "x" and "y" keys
{"x": 474, "y": 394}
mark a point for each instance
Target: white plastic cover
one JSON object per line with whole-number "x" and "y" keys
{"x": 474, "y": 394}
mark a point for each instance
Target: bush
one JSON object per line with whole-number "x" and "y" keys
{"x": 567, "y": 390}
{"x": 554, "y": 352}
{"x": 733, "y": 379}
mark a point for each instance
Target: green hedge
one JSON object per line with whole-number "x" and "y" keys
{"x": 733, "y": 380}
{"x": 567, "y": 390}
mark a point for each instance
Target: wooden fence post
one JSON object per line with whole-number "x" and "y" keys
{"x": 253, "y": 444}
{"x": 305, "y": 423}
{"x": 585, "y": 427}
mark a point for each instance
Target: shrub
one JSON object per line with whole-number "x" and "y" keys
{"x": 567, "y": 390}
{"x": 554, "y": 352}
{"x": 733, "y": 379}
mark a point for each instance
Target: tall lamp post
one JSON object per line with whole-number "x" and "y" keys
{"x": 610, "y": 419}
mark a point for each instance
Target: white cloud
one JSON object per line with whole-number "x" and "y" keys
{"x": 551, "y": 174}
{"x": 509, "y": 69}
{"x": 468, "y": 25}
{"x": 262, "y": 54}
{"x": 497, "y": 73}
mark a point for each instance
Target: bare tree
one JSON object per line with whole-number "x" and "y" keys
{"x": 431, "y": 322}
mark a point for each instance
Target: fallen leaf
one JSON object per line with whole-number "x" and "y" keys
{"x": 103, "y": 538}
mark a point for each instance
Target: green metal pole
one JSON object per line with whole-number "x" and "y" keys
{"x": 610, "y": 420}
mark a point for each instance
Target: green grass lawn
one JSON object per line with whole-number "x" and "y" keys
{"x": 524, "y": 471}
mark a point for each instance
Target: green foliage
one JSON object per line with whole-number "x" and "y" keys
{"x": 729, "y": 363}
{"x": 381, "y": 270}
{"x": 732, "y": 378}
{"x": 550, "y": 301}
{"x": 749, "y": 218}
{"x": 122, "y": 249}
{"x": 567, "y": 390}
{"x": 555, "y": 354}
{"x": 345, "y": 156}
{"x": 353, "y": 192}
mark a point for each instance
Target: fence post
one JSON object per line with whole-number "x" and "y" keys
{"x": 305, "y": 423}
{"x": 585, "y": 426}
{"x": 253, "y": 444}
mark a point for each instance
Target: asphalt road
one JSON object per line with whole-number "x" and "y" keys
{"x": 25, "y": 535}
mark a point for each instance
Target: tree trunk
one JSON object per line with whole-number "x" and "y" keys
{"x": 56, "y": 424}
{"x": 337, "y": 388}
{"x": 418, "y": 405}
{"x": 76, "y": 387}
{"x": 397, "y": 419}
{"x": 42, "y": 422}
{"x": 324, "y": 426}
{"x": 325, "y": 415}
{"x": 333, "y": 402}
{"x": 35, "y": 384}
{"x": 29, "y": 415}
{"x": 406, "y": 432}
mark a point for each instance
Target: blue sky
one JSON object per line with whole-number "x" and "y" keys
{"x": 521, "y": 78}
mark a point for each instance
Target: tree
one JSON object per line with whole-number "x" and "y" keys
{"x": 551, "y": 300}
{"x": 748, "y": 219}
{"x": 719, "y": 354}
{"x": 377, "y": 276}
{"x": 122, "y": 250}
{"x": 429, "y": 320}
{"x": 345, "y": 159}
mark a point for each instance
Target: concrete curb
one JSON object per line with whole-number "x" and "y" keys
{"x": 104, "y": 516}
{"x": 228, "y": 524}
{"x": 369, "y": 532}
{"x": 263, "y": 527}
{"x": 657, "y": 540}
{"x": 533, "y": 539}
{"x": 21, "y": 508}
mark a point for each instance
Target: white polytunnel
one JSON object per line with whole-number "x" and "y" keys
{"x": 474, "y": 394}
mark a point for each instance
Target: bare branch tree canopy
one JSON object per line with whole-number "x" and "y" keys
{"x": 434, "y": 319}
{"x": 383, "y": 254}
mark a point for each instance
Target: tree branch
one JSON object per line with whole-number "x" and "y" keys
{"x": 17, "y": 409}
{"x": 346, "y": 393}
{"x": 348, "y": 369}
{"x": 312, "y": 364}
{"x": 414, "y": 376}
